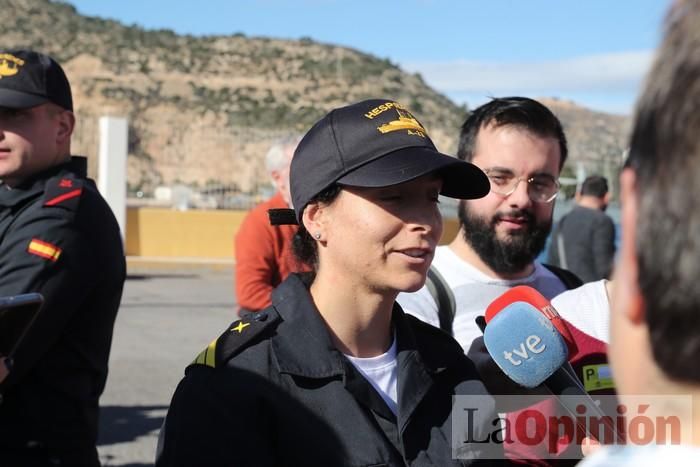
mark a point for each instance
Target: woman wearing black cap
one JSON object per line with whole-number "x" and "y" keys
{"x": 334, "y": 373}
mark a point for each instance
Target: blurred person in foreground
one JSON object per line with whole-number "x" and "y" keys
{"x": 334, "y": 372}
{"x": 58, "y": 237}
{"x": 583, "y": 240}
{"x": 263, "y": 252}
{"x": 655, "y": 317}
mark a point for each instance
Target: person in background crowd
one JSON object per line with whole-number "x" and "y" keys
{"x": 264, "y": 253}
{"x": 655, "y": 320}
{"x": 58, "y": 237}
{"x": 583, "y": 240}
{"x": 520, "y": 145}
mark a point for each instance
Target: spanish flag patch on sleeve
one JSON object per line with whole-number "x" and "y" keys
{"x": 44, "y": 249}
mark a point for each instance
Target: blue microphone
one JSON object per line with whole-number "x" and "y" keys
{"x": 528, "y": 348}
{"x": 525, "y": 344}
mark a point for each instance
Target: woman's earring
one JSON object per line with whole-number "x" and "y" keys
{"x": 317, "y": 235}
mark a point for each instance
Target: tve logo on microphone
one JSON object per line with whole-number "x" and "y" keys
{"x": 532, "y": 341}
{"x": 525, "y": 344}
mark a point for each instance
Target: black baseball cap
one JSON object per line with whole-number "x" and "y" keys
{"x": 29, "y": 78}
{"x": 373, "y": 143}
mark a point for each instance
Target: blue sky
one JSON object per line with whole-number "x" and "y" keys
{"x": 594, "y": 52}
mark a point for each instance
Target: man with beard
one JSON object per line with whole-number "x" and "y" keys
{"x": 521, "y": 147}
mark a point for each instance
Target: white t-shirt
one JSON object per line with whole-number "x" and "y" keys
{"x": 473, "y": 291}
{"x": 588, "y": 308}
{"x": 382, "y": 374}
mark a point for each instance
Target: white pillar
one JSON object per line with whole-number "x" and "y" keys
{"x": 111, "y": 174}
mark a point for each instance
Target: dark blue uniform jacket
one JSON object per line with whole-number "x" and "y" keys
{"x": 274, "y": 391}
{"x": 58, "y": 237}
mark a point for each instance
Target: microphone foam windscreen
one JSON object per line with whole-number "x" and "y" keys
{"x": 524, "y": 293}
{"x": 525, "y": 344}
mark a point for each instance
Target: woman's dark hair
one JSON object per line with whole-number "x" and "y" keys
{"x": 304, "y": 247}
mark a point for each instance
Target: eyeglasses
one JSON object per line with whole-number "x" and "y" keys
{"x": 541, "y": 188}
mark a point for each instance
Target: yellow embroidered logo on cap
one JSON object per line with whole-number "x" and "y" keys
{"x": 406, "y": 120}
{"x": 9, "y": 65}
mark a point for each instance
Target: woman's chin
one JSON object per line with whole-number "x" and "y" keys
{"x": 413, "y": 284}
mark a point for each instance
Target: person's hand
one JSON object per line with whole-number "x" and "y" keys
{"x": 589, "y": 445}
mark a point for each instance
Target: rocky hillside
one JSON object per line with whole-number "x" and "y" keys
{"x": 596, "y": 140}
{"x": 202, "y": 110}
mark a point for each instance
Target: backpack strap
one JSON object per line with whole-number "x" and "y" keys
{"x": 568, "y": 278}
{"x": 443, "y": 296}
{"x": 557, "y": 243}
{"x": 445, "y": 299}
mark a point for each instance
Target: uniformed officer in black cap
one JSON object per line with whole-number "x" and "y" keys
{"x": 333, "y": 372}
{"x": 58, "y": 237}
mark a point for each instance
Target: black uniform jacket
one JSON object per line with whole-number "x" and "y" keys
{"x": 274, "y": 391}
{"x": 59, "y": 237}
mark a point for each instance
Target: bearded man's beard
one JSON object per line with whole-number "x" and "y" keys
{"x": 510, "y": 255}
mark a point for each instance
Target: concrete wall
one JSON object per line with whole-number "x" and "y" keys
{"x": 158, "y": 232}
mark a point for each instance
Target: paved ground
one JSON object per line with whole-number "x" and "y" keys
{"x": 167, "y": 317}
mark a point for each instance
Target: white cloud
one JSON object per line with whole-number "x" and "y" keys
{"x": 614, "y": 71}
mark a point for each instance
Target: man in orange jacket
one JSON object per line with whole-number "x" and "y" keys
{"x": 264, "y": 253}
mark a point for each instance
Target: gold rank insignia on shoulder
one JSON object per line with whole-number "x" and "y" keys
{"x": 207, "y": 356}
{"x": 238, "y": 336}
{"x": 240, "y": 327}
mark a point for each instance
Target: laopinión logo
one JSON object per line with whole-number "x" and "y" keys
{"x": 534, "y": 427}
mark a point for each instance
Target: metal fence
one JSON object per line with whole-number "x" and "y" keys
{"x": 228, "y": 171}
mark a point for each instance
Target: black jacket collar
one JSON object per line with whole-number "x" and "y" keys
{"x": 303, "y": 345}
{"x": 34, "y": 185}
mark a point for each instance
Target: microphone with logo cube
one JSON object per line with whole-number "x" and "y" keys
{"x": 530, "y": 342}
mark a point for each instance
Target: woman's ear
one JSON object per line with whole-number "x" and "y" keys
{"x": 313, "y": 220}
